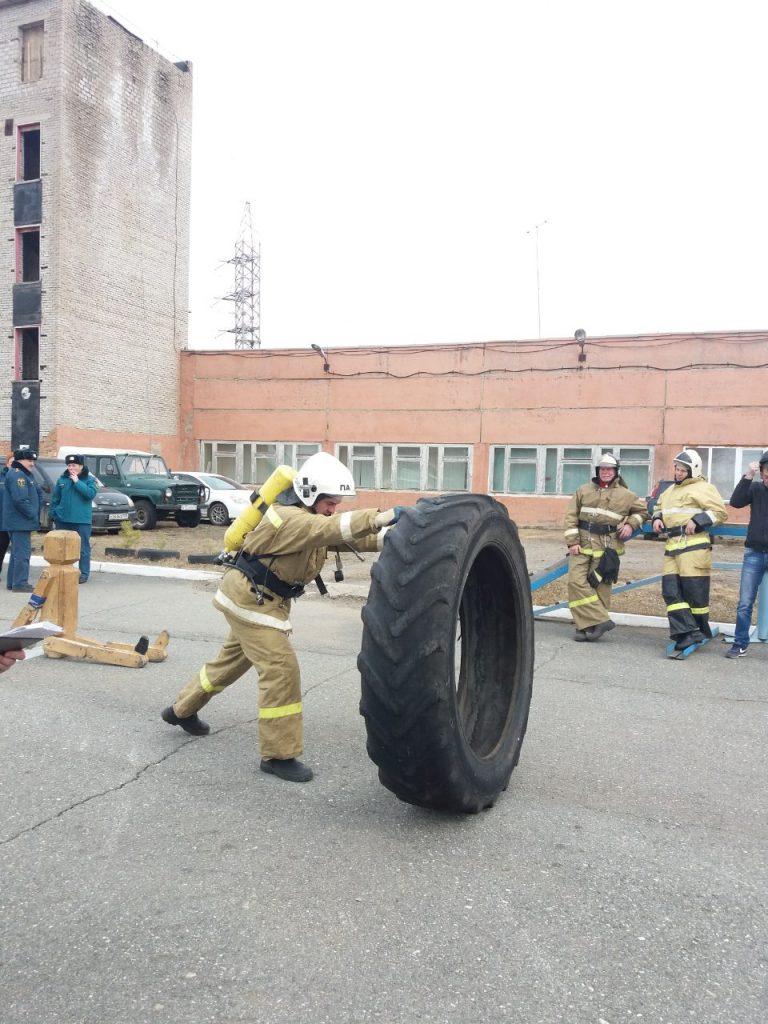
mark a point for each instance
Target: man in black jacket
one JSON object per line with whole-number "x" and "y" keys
{"x": 755, "y": 494}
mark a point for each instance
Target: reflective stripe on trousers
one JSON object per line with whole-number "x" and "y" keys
{"x": 269, "y": 651}
{"x": 685, "y": 588}
{"x": 588, "y": 606}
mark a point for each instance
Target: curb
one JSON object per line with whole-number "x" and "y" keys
{"x": 170, "y": 572}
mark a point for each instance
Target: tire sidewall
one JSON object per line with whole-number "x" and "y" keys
{"x": 490, "y": 774}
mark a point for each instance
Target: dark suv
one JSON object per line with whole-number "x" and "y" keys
{"x": 146, "y": 479}
{"x": 110, "y": 508}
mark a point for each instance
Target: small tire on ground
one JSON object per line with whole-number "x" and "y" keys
{"x": 218, "y": 514}
{"x": 146, "y": 514}
{"x": 188, "y": 519}
{"x": 447, "y": 655}
{"x": 156, "y": 554}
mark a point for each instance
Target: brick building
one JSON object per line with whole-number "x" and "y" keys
{"x": 524, "y": 421}
{"x": 94, "y": 230}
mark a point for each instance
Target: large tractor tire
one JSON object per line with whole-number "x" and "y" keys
{"x": 446, "y": 661}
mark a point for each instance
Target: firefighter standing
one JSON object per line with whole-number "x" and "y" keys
{"x": 685, "y": 511}
{"x": 285, "y": 551}
{"x": 601, "y": 514}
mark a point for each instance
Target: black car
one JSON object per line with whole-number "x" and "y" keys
{"x": 110, "y": 508}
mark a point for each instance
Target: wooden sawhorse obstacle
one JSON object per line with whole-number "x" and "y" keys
{"x": 57, "y": 591}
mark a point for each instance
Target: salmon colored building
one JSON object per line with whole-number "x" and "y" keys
{"x": 524, "y": 421}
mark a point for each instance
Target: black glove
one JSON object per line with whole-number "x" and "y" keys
{"x": 607, "y": 570}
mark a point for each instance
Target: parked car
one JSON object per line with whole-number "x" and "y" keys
{"x": 147, "y": 481}
{"x": 224, "y": 499}
{"x": 110, "y": 508}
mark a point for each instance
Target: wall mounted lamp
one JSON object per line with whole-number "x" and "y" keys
{"x": 321, "y": 352}
{"x": 581, "y": 339}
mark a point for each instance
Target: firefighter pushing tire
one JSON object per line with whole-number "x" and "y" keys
{"x": 446, "y": 661}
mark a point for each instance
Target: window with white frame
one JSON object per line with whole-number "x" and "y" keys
{"x": 560, "y": 469}
{"x": 408, "y": 467}
{"x": 724, "y": 467}
{"x": 252, "y": 462}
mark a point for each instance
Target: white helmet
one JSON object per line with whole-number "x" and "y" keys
{"x": 607, "y": 461}
{"x": 691, "y": 461}
{"x": 323, "y": 475}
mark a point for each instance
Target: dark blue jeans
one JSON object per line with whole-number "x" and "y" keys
{"x": 84, "y": 530}
{"x": 18, "y": 563}
{"x": 753, "y": 567}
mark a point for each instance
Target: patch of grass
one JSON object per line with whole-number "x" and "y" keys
{"x": 129, "y": 536}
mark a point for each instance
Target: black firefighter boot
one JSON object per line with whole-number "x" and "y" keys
{"x": 602, "y": 627}
{"x": 288, "y": 769}
{"x": 688, "y": 640}
{"x": 191, "y": 724}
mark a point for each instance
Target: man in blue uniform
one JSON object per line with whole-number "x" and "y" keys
{"x": 21, "y": 515}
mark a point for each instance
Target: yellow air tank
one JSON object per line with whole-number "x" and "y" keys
{"x": 281, "y": 479}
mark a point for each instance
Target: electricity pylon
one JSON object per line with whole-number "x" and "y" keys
{"x": 247, "y": 293}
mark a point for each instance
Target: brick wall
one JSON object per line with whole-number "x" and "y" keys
{"x": 26, "y": 103}
{"x": 660, "y": 391}
{"x": 116, "y": 127}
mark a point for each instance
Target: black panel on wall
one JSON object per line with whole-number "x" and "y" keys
{"x": 25, "y": 413}
{"x": 27, "y": 203}
{"x": 27, "y": 304}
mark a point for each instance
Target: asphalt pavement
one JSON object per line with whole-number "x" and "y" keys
{"x": 151, "y": 877}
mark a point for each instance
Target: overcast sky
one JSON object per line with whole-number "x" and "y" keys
{"x": 398, "y": 155}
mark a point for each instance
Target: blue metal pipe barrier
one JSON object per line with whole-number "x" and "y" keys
{"x": 762, "y": 609}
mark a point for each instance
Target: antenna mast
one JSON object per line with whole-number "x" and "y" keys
{"x": 247, "y": 293}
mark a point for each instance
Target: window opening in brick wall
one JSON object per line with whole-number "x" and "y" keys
{"x": 360, "y": 460}
{"x": 29, "y": 254}
{"x": 29, "y": 353}
{"x": 252, "y": 462}
{"x": 29, "y": 153}
{"x": 32, "y": 52}
{"x": 407, "y": 467}
{"x": 560, "y": 469}
{"x": 724, "y": 467}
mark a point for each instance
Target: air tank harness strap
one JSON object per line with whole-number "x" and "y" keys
{"x": 258, "y": 502}
{"x": 260, "y": 576}
{"x": 594, "y": 528}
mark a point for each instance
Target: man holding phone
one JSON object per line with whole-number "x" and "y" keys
{"x": 72, "y": 507}
{"x": 752, "y": 492}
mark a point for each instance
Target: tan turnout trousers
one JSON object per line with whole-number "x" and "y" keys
{"x": 281, "y": 728}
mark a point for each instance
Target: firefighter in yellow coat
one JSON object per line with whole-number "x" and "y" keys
{"x": 600, "y": 515}
{"x": 685, "y": 512}
{"x": 284, "y": 552}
